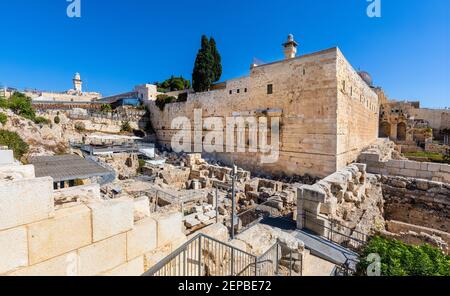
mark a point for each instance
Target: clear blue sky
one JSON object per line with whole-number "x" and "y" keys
{"x": 118, "y": 44}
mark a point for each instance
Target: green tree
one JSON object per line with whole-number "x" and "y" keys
{"x": 126, "y": 127}
{"x": 202, "y": 75}
{"x": 14, "y": 142}
{"x": 217, "y": 66}
{"x": 162, "y": 100}
{"x": 106, "y": 108}
{"x": 21, "y": 105}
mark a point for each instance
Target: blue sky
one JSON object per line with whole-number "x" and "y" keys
{"x": 118, "y": 44}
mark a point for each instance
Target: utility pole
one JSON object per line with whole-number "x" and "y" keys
{"x": 217, "y": 206}
{"x": 233, "y": 198}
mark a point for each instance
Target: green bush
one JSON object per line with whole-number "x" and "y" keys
{"x": 57, "y": 120}
{"x": 400, "y": 259}
{"x": 3, "y": 118}
{"x": 126, "y": 127}
{"x": 174, "y": 84}
{"x": 41, "y": 120}
{"x": 162, "y": 100}
{"x": 106, "y": 108}
{"x": 14, "y": 142}
{"x": 447, "y": 156}
{"x": 80, "y": 127}
{"x": 21, "y": 105}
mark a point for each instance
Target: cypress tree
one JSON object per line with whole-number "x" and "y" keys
{"x": 203, "y": 74}
{"x": 217, "y": 66}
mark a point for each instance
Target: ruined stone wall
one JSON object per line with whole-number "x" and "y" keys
{"x": 95, "y": 237}
{"x": 424, "y": 170}
{"x": 417, "y": 201}
{"x": 350, "y": 197}
{"x": 304, "y": 96}
{"x": 358, "y": 113}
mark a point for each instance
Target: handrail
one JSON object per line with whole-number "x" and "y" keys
{"x": 334, "y": 230}
{"x": 252, "y": 259}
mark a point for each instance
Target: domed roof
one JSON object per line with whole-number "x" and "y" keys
{"x": 366, "y": 77}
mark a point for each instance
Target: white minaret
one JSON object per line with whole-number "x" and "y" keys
{"x": 290, "y": 47}
{"x": 77, "y": 83}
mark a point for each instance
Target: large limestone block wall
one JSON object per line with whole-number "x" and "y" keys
{"x": 305, "y": 92}
{"x": 357, "y": 113}
{"x": 95, "y": 237}
{"x": 406, "y": 168}
{"x": 417, "y": 201}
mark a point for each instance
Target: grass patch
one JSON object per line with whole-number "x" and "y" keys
{"x": 428, "y": 156}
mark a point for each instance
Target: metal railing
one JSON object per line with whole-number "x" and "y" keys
{"x": 336, "y": 232}
{"x": 206, "y": 256}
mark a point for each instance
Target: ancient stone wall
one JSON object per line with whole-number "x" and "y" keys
{"x": 91, "y": 237}
{"x": 305, "y": 96}
{"x": 357, "y": 113}
{"x": 424, "y": 170}
{"x": 417, "y": 201}
{"x": 350, "y": 198}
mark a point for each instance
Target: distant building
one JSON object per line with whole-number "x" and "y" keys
{"x": 72, "y": 95}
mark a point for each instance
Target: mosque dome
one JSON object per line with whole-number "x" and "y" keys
{"x": 366, "y": 77}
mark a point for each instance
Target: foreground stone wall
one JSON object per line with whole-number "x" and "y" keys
{"x": 90, "y": 237}
{"x": 417, "y": 201}
{"x": 350, "y": 197}
{"x": 423, "y": 170}
{"x": 305, "y": 97}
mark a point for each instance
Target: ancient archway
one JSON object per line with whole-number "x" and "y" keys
{"x": 385, "y": 130}
{"x": 401, "y": 131}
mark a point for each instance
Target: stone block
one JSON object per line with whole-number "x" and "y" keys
{"x": 111, "y": 217}
{"x": 102, "y": 256}
{"x": 69, "y": 230}
{"x": 412, "y": 165}
{"x": 425, "y": 175}
{"x": 6, "y": 157}
{"x": 141, "y": 208}
{"x": 191, "y": 222}
{"x": 445, "y": 168}
{"x": 17, "y": 172}
{"x": 312, "y": 193}
{"x": 400, "y": 164}
{"x": 434, "y": 167}
{"x": 169, "y": 226}
{"x": 134, "y": 267}
{"x": 25, "y": 201}
{"x": 142, "y": 238}
{"x": 408, "y": 173}
{"x": 153, "y": 257}
{"x": 13, "y": 249}
{"x": 64, "y": 265}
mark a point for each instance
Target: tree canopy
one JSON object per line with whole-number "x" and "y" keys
{"x": 208, "y": 66}
{"x": 174, "y": 84}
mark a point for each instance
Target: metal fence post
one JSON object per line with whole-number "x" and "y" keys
{"x": 276, "y": 261}
{"x": 217, "y": 206}
{"x": 232, "y": 262}
{"x": 200, "y": 256}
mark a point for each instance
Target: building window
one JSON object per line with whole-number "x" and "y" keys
{"x": 351, "y": 91}
{"x": 270, "y": 89}
{"x": 343, "y": 85}
{"x": 245, "y": 89}
{"x": 231, "y": 92}
{"x": 238, "y": 91}
{"x": 304, "y": 71}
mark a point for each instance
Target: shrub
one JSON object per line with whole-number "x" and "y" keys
{"x": 106, "y": 108}
{"x": 41, "y": 120}
{"x": 80, "y": 127}
{"x": 447, "y": 156}
{"x": 162, "y": 100}
{"x": 57, "y": 120}
{"x": 14, "y": 142}
{"x": 400, "y": 259}
{"x": 141, "y": 166}
{"x": 21, "y": 105}
{"x": 3, "y": 118}
{"x": 126, "y": 127}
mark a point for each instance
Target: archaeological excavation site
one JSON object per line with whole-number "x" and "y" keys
{"x": 301, "y": 168}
